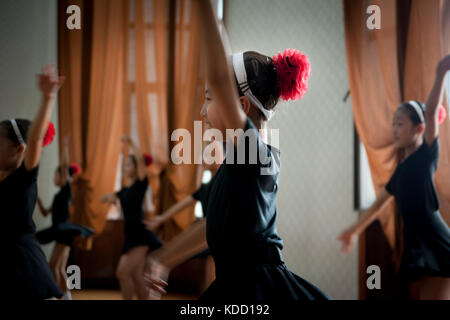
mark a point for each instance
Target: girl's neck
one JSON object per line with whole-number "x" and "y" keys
{"x": 409, "y": 150}
{"x": 131, "y": 180}
{"x": 6, "y": 173}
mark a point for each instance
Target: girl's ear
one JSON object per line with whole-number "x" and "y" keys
{"x": 22, "y": 148}
{"x": 420, "y": 128}
{"x": 246, "y": 104}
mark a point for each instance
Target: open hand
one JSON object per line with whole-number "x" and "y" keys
{"x": 49, "y": 81}
{"x": 125, "y": 139}
{"x": 155, "y": 278}
{"x": 444, "y": 64}
{"x": 348, "y": 238}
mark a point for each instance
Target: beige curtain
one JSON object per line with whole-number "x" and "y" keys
{"x": 428, "y": 42}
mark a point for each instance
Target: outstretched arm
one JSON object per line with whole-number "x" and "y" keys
{"x": 155, "y": 221}
{"x": 366, "y": 217}
{"x": 49, "y": 84}
{"x": 177, "y": 251}
{"x": 434, "y": 100}
{"x": 43, "y": 210}
{"x": 219, "y": 72}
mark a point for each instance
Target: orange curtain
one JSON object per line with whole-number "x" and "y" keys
{"x": 91, "y": 102}
{"x": 374, "y": 78}
{"x": 167, "y": 87}
{"x": 179, "y": 181}
{"x": 133, "y": 68}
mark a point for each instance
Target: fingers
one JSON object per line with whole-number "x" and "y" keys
{"x": 159, "y": 282}
{"x": 155, "y": 284}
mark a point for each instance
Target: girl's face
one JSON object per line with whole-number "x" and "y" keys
{"x": 404, "y": 131}
{"x": 210, "y": 114}
{"x": 130, "y": 168}
{"x": 10, "y": 153}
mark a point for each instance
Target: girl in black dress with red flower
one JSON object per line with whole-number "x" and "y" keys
{"x": 62, "y": 230}
{"x": 241, "y": 211}
{"x": 138, "y": 239}
{"x": 21, "y": 142}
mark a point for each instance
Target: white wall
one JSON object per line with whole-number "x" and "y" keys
{"x": 28, "y": 37}
{"x": 315, "y": 200}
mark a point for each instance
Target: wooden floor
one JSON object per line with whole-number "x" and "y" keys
{"x": 116, "y": 295}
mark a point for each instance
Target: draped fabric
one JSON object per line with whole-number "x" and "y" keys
{"x": 429, "y": 42}
{"x": 387, "y": 66}
{"x": 133, "y": 68}
{"x": 91, "y": 102}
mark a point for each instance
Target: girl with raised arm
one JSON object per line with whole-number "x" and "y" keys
{"x": 21, "y": 143}
{"x": 241, "y": 212}
{"x": 138, "y": 239}
{"x": 426, "y": 237}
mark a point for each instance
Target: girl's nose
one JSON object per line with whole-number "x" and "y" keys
{"x": 204, "y": 110}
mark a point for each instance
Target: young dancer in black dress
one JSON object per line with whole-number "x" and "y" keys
{"x": 241, "y": 213}
{"x": 21, "y": 143}
{"x": 426, "y": 257}
{"x": 138, "y": 239}
{"x": 62, "y": 230}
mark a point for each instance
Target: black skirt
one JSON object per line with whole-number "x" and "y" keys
{"x": 426, "y": 248}
{"x": 264, "y": 277}
{"x": 63, "y": 233}
{"x": 32, "y": 277}
{"x": 136, "y": 234}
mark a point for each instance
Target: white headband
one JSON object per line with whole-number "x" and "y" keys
{"x": 241, "y": 76}
{"x": 17, "y": 131}
{"x": 418, "y": 109}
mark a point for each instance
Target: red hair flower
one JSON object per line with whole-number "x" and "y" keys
{"x": 442, "y": 114}
{"x": 49, "y": 135}
{"x": 75, "y": 168}
{"x": 293, "y": 70}
{"x": 148, "y": 159}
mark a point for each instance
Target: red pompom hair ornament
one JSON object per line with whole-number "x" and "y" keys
{"x": 442, "y": 114}
{"x": 76, "y": 170}
{"x": 293, "y": 70}
{"x": 49, "y": 135}
{"x": 148, "y": 159}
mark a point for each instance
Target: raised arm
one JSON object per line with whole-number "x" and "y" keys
{"x": 219, "y": 71}
{"x": 142, "y": 172}
{"x": 366, "y": 217}
{"x": 49, "y": 84}
{"x": 434, "y": 100}
{"x": 155, "y": 221}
